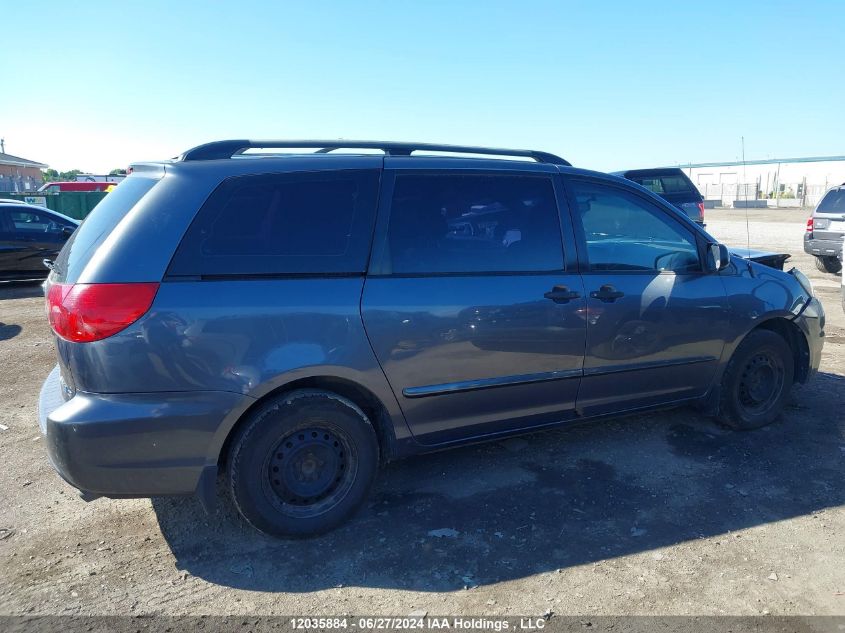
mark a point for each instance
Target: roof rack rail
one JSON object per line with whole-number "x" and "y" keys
{"x": 228, "y": 149}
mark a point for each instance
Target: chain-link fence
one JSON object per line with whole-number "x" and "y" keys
{"x": 788, "y": 195}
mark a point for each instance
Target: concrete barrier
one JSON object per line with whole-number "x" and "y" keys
{"x": 785, "y": 203}
{"x": 750, "y": 204}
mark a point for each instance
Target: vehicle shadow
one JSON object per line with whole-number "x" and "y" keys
{"x": 494, "y": 512}
{"x": 9, "y": 330}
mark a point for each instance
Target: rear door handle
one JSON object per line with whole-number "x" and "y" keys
{"x": 607, "y": 294}
{"x": 561, "y": 294}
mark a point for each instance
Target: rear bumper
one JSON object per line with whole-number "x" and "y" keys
{"x": 823, "y": 248}
{"x": 133, "y": 445}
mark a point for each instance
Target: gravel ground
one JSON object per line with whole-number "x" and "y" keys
{"x": 663, "y": 513}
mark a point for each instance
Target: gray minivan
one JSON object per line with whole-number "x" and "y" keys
{"x": 292, "y": 321}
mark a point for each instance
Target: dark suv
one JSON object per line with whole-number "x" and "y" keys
{"x": 671, "y": 184}
{"x": 292, "y": 321}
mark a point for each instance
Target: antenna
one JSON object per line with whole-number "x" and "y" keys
{"x": 745, "y": 197}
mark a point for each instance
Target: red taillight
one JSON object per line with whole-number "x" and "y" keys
{"x": 810, "y": 225}
{"x": 89, "y": 312}
{"x": 701, "y": 210}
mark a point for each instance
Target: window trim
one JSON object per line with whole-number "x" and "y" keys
{"x": 694, "y": 234}
{"x": 379, "y": 267}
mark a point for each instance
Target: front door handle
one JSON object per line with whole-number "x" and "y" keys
{"x": 561, "y": 294}
{"x": 607, "y": 294}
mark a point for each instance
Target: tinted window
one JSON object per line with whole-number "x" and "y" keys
{"x": 317, "y": 222}
{"x": 625, "y": 232}
{"x": 465, "y": 224}
{"x": 664, "y": 184}
{"x": 833, "y": 202}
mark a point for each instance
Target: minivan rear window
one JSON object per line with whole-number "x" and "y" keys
{"x": 833, "y": 202}
{"x": 279, "y": 224}
{"x": 664, "y": 184}
{"x": 98, "y": 225}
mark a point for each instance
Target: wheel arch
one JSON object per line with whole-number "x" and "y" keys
{"x": 793, "y": 335}
{"x": 784, "y": 327}
{"x": 362, "y": 397}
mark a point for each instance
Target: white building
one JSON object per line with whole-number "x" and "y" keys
{"x": 781, "y": 181}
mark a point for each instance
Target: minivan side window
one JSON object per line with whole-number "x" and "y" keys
{"x": 626, "y": 232}
{"x": 292, "y": 223}
{"x": 473, "y": 223}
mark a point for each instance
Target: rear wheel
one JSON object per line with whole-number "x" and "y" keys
{"x": 828, "y": 264}
{"x": 756, "y": 383}
{"x": 302, "y": 463}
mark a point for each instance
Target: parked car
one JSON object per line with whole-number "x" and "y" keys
{"x": 673, "y": 185}
{"x": 58, "y": 187}
{"x": 30, "y": 234}
{"x": 295, "y": 321}
{"x": 825, "y": 229}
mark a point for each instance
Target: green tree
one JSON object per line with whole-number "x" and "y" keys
{"x": 50, "y": 175}
{"x": 117, "y": 172}
{"x": 70, "y": 175}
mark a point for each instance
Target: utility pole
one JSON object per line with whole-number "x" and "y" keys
{"x": 2, "y": 146}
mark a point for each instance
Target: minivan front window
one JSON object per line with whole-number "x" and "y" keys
{"x": 625, "y": 232}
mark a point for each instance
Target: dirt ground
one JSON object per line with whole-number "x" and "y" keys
{"x": 663, "y": 513}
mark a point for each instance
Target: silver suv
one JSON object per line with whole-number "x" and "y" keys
{"x": 825, "y": 229}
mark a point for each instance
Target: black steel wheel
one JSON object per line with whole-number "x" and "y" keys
{"x": 756, "y": 382}
{"x": 761, "y": 383}
{"x": 302, "y": 463}
{"x": 310, "y": 470}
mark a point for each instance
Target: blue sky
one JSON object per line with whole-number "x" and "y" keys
{"x": 607, "y": 85}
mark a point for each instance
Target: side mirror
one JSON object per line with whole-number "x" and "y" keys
{"x": 67, "y": 231}
{"x": 718, "y": 257}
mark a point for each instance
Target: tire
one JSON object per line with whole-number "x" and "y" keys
{"x": 302, "y": 463}
{"x": 828, "y": 264}
{"x": 756, "y": 383}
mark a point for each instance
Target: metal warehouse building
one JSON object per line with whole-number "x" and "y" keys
{"x": 780, "y": 182}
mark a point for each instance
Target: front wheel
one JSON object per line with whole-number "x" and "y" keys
{"x": 828, "y": 264}
{"x": 756, "y": 383}
{"x": 302, "y": 463}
